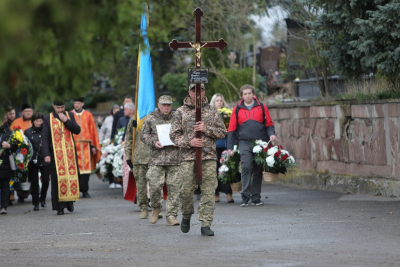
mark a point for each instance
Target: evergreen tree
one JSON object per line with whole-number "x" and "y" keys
{"x": 364, "y": 36}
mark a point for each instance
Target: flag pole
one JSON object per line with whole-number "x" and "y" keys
{"x": 136, "y": 105}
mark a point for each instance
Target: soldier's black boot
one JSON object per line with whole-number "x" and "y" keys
{"x": 207, "y": 231}
{"x": 185, "y": 225}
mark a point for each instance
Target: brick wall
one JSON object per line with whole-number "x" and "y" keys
{"x": 349, "y": 137}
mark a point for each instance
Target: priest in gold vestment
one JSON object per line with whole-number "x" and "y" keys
{"x": 87, "y": 145}
{"x": 59, "y": 150}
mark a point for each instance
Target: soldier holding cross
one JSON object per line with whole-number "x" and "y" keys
{"x": 183, "y": 129}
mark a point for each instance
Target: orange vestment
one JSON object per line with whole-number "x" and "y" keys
{"x": 21, "y": 123}
{"x": 85, "y": 140}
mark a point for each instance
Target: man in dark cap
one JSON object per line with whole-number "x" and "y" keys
{"x": 182, "y": 133}
{"x": 25, "y": 121}
{"x": 59, "y": 150}
{"x": 87, "y": 145}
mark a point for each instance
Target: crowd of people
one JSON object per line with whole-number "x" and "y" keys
{"x": 66, "y": 147}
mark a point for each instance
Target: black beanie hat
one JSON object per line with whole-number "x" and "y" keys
{"x": 26, "y": 106}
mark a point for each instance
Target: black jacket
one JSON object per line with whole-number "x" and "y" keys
{"x": 117, "y": 116}
{"x": 47, "y": 148}
{"x": 5, "y": 169}
{"x": 35, "y": 137}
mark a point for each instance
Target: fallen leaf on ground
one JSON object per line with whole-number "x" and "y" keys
{"x": 107, "y": 250}
{"x": 390, "y": 213}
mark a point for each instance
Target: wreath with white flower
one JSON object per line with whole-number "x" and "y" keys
{"x": 274, "y": 158}
{"x": 229, "y": 172}
{"x": 110, "y": 164}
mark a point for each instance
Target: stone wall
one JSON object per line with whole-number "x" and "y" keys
{"x": 359, "y": 141}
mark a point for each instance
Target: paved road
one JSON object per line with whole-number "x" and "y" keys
{"x": 295, "y": 227}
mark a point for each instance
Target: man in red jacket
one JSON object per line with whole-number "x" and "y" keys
{"x": 250, "y": 122}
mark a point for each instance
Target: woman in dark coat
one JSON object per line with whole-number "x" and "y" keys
{"x": 5, "y": 169}
{"x": 34, "y": 134}
{"x": 219, "y": 102}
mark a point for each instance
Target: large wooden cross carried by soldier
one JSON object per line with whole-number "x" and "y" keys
{"x": 198, "y": 45}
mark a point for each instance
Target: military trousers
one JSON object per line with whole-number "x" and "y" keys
{"x": 139, "y": 171}
{"x": 205, "y": 211}
{"x": 157, "y": 176}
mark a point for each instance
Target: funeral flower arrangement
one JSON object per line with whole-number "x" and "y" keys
{"x": 21, "y": 158}
{"x": 229, "y": 171}
{"x": 274, "y": 158}
{"x": 118, "y": 156}
{"x": 110, "y": 163}
{"x": 107, "y": 155}
{"x": 226, "y": 114}
{"x": 16, "y": 138}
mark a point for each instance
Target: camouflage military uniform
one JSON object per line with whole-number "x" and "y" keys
{"x": 140, "y": 164}
{"x": 163, "y": 165}
{"x": 182, "y": 132}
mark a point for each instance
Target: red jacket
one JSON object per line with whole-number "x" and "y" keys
{"x": 251, "y": 126}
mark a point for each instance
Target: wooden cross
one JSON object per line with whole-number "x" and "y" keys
{"x": 198, "y": 45}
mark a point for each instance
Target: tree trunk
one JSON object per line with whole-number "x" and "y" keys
{"x": 319, "y": 83}
{"x": 254, "y": 59}
{"x": 327, "y": 87}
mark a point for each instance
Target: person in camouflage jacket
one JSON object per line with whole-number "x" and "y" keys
{"x": 182, "y": 134}
{"x": 163, "y": 163}
{"x": 139, "y": 166}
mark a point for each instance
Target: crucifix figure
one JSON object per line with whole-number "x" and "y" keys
{"x": 198, "y": 45}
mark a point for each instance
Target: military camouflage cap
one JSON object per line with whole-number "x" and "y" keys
{"x": 192, "y": 85}
{"x": 165, "y": 99}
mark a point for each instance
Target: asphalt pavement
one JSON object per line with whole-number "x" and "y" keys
{"x": 295, "y": 227}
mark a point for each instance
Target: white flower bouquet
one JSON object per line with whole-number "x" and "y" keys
{"x": 110, "y": 164}
{"x": 229, "y": 170}
{"x": 274, "y": 158}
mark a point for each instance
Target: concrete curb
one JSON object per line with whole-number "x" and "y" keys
{"x": 342, "y": 183}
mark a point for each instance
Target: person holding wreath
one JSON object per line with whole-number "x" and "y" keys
{"x": 6, "y": 172}
{"x": 218, "y": 101}
{"x": 250, "y": 121}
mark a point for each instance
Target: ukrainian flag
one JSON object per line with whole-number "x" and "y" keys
{"x": 146, "y": 95}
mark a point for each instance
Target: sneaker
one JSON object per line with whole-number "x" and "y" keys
{"x": 3, "y": 211}
{"x": 245, "y": 202}
{"x": 206, "y": 231}
{"x": 118, "y": 186}
{"x": 257, "y": 202}
{"x": 112, "y": 186}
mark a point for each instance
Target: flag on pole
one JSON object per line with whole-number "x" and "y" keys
{"x": 146, "y": 98}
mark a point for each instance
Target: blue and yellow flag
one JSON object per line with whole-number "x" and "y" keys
{"x": 146, "y": 98}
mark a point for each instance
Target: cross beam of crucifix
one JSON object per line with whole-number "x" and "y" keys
{"x": 198, "y": 45}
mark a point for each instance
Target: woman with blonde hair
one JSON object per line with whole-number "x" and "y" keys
{"x": 218, "y": 101}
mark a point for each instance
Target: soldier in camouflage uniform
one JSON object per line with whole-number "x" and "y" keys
{"x": 139, "y": 166}
{"x": 183, "y": 134}
{"x": 163, "y": 163}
